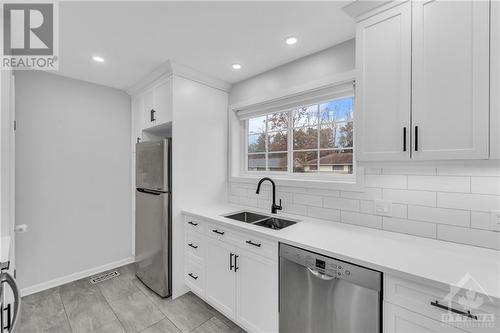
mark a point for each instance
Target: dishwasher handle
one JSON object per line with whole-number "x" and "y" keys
{"x": 319, "y": 275}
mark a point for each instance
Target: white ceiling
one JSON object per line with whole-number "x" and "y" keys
{"x": 136, "y": 37}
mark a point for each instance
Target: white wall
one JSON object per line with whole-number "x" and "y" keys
{"x": 449, "y": 201}
{"x": 72, "y": 176}
{"x": 199, "y": 158}
{"x": 315, "y": 67}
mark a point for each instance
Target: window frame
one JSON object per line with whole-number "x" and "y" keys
{"x": 289, "y": 174}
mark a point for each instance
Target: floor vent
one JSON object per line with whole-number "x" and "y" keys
{"x": 103, "y": 277}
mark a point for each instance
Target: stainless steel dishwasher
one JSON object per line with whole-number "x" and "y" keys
{"x": 319, "y": 294}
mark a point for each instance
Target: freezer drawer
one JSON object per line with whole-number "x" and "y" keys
{"x": 151, "y": 240}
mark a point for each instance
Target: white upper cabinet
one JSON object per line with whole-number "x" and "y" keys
{"x": 137, "y": 119}
{"x": 495, "y": 81}
{"x": 163, "y": 101}
{"x": 383, "y": 59}
{"x": 423, "y": 82}
{"x": 157, "y": 103}
{"x": 450, "y": 59}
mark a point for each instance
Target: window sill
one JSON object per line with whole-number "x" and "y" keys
{"x": 354, "y": 185}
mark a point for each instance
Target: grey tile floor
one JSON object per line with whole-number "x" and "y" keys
{"x": 119, "y": 305}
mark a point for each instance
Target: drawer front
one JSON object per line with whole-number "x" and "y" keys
{"x": 418, "y": 297}
{"x": 195, "y": 245}
{"x": 219, "y": 232}
{"x": 250, "y": 242}
{"x": 194, "y": 276}
{"x": 401, "y": 320}
{"x": 194, "y": 224}
{"x": 257, "y": 245}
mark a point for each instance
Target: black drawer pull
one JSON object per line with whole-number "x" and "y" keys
{"x": 218, "y": 232}
{"x": 231, "y": 256}
{"x": 192, "y": 223}
{"x": 252, "y": 243}
{"x": 193, "y": 276}
{"x": 193, "y": 246}
{"x": 153, "y": 117}
{"x": 463, "y": 313}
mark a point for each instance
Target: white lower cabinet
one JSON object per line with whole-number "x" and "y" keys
{"x": 239, "y": 274}
{"x": 221, "y": 280}
{"x": 257, "y": 292}
{"x": 400, "y": 320}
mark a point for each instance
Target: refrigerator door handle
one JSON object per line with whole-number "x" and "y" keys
{"x": 143, "y": 190}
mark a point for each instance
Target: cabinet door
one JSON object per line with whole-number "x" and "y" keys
{"x": 137, "y": 120}
{"x": 257, "y": 292}
{"x": 149, "y": 111}
{"x": 450, "y": 113}
{"x": 220, "y": 279}
{"x": 383, "y": 59}
{"x": 400, "y": 320}
{"x": 495, "y": 81}
{"x": 163, "y": 102}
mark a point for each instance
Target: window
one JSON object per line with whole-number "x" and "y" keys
{"x": 311, "y": 139}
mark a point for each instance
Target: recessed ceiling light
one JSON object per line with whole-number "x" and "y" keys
{"x": 291, "y": 40}
{"x": 236, "y": 66}
{"x": 98, "y": 59}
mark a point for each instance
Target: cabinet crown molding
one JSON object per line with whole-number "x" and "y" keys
{"x": 169, "y": 68}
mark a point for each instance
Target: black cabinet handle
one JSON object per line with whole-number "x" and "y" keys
{"x": 231, "y": 255}
{"x": 463, "y": 313}
{"x": 252, "y": 243}
{"x": 193, "y": 246}
{"x": 138, "y": 140}
{"x": 404, "y": 138}
{"x": 218, "y": 232}
{"x": 8, "y": 316}
{"x": 192, "y": 223}
{"x": 416, "y": 138}
{"x": 193, "y": 276}
{"x": 152, "y": 116}
{"x": 236, "y": 262}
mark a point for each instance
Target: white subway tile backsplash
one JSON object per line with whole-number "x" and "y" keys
{"x": 485, "y": 185}
{"x": 341, "y": 203}
{"x": 409, "y": 170}
{"x": 439, "y": 215}
{"x": 452, "y": 200}
{"x": 386, "y": 181}
{"x": 439, "y": 183}
{"x": 365, "y": 220}
{"x": 405, "y": 226}
{"x": 425, "y": 198}
{"x": 307, "y": 199}
{"x": 324, "y": 213}
{"x": 323, "y": 192}
{"x": 490, "y": 239}
{"x": 368, "y": 194}
{"x": 480, "y": 220}
{"x": 480, "y": 202}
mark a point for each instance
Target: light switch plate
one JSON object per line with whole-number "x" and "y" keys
{"x": 383, "y": 207}
{"x": 495, "y": 220}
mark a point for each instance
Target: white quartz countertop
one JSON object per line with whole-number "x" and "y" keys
{"x": 392, "y": 253}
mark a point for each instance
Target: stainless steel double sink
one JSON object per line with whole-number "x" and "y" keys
{"x": 261, "y": 220}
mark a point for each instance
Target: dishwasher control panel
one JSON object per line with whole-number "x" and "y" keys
{"x": 331, "y": 267}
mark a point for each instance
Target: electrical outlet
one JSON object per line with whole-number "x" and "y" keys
{"x": 383, "y": 207}
{"x": 495, "y": 220}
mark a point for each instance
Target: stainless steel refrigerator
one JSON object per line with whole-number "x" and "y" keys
{"x": 153, "y": 218}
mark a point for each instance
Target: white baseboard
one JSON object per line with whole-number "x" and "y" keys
{"x": 75, "y": 276}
